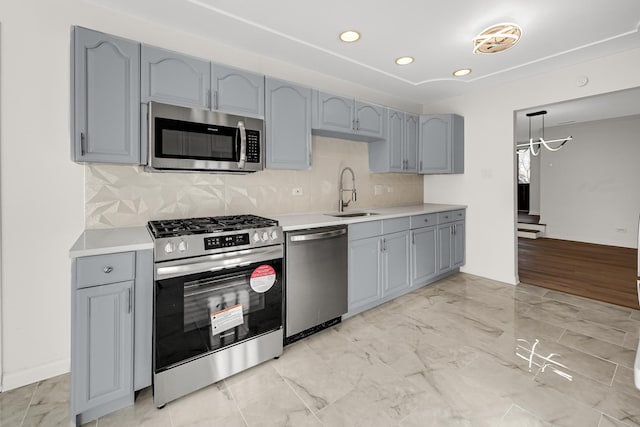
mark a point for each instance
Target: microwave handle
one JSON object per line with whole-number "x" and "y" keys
{"x": 243, "y": 145}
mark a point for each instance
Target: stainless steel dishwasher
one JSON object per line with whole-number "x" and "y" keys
{"x": 316, "y": 279}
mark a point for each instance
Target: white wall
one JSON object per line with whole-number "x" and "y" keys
{"x": 590, "y": 189}
{"x": 42, "y": 206}
{"x": 534, "y": 186}
{"x": 488, "y": 184}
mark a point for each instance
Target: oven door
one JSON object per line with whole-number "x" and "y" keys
{"x": 205, "y": 304}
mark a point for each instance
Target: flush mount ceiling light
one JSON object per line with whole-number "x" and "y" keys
{"x": 349, "y": 36}
{"x": 462, "y": 72}
{"x": 404, "y": 60}
{"x": 497, "y": 38}
{"x": 540, "y": 141}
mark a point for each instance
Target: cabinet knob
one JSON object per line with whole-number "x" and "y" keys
{"x": 108, "y": 269}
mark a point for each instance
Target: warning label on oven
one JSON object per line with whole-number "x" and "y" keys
{"x": 262, "y": 278}
{"x": 226, "y": 319}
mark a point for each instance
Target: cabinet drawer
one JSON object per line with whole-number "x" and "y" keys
{"x": 102, "y": 269}
{"x": 362, "y": 230}
{"x": 450, "y": 216}
{"x": 423, "y": 220}
{"x": 394, "y": 225}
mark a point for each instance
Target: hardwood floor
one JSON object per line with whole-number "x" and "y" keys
{"x": 603, "y": 273}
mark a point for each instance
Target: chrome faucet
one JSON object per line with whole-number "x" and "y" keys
{"x": 341, "y": 203}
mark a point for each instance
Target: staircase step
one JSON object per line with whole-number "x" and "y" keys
{"x": 527, "y": 226}
{"x": 529, "y": 234}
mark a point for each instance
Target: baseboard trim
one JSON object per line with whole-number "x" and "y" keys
{"x": 28, "y": 376}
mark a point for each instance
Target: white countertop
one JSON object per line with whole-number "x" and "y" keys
{"x": 293, "y": 222}
{"x": 110, "y": 240}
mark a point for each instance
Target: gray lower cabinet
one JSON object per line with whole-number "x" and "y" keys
{"x": 390, "y": 257}
{"x": 365, "y": 282}
{"x": 106, "y": 98}
{"x": 103, "y": 369}
{"x": 288, "y": 125}
{"x": 451, "y": 240}
{"x": 395, "y": 264}
{"x": 441, "y": 146}
{"x": 340, "y": 117}
{"x": 379, "y": 262}
{"x": 173, "y": 78}
{"x": 111, "y": 336}
{"x": 423, "y": 255}
{"x": 237, "y": 91}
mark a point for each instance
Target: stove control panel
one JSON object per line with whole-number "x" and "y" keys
{"x": 226, "y": 241}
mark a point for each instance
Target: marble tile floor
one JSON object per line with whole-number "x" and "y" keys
{"x": 464, "y": 351}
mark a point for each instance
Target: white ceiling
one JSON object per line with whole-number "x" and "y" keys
{"x": 600, "y": 107}
{"x": 437, "y": 33}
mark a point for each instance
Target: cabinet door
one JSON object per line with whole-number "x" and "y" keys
{"x": 458, "y": 244}
{"x": 370, "y": 119}
{"x": 395, "y": 139}
{"x": 364, "y": 273}
{"x": 395, "y": 263}
{"x": 106, "y": 98}
{"x": 424, "y": 250}
{"x": 445, "y": 241}
{"x": 288, "y": 125}
{"x": 435, "y": 144}
{"x": 173, "y": 78}
{"x": 333, "y": 113}
{"x": 236, "y": 91}
{"x": 103, "y": 345}
{"x": 411, "y": 126}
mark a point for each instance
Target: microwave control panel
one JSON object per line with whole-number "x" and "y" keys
{"x": 253, "y": 146}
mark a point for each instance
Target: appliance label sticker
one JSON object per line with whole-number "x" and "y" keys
{"x": 262, "y": 278}
{"x": 226, "y": 319}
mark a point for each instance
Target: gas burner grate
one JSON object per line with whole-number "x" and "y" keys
{"x": 216, "y": 224}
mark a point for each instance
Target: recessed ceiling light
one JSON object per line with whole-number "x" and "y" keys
{"x": 349, "y": 36}
{"x": 404, "y": 60}
{"x": 462, "y": 72}
{"x": 497, "y": 38}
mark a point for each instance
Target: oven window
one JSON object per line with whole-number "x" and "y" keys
{"x": 205, "y": 312}
{"x": 186, "y": 140}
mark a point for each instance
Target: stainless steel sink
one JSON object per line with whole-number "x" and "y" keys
{"x": 351, "y": 214}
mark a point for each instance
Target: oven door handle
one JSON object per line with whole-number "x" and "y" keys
{"x": 243, "y": 144}
{"x": 217, "y": 262}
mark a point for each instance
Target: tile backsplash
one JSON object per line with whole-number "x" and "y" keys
{"x": 122, "y": 195}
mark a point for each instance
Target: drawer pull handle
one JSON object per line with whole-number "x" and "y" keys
{"x": 107, "y": 269}
{"x": 426, "y": 220}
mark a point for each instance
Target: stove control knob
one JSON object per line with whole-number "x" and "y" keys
{"x": 182, "y": 246}
{"x": 274, "y": 235}
{"x": 265, "y": 236}
{"x": 169, "y": 247}
{"x": 256, "y": 237}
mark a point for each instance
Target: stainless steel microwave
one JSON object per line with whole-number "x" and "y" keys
{"x": 186, "y": 139}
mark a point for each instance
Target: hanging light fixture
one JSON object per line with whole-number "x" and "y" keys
{"x": 540, "y": 141}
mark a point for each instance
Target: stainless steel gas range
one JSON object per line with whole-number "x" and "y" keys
{"x": 218, "y": 287}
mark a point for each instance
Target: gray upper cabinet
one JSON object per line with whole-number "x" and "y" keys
{"x": 340, "y": 117}
{"x": 411, "y": 138}
{"x": 370, "y": 120}
{"x": 237, "y": 91}
{"x": 173, "y": 78}
{"x": 441, "y": 145}
{"x": 288, "y": 125}
{"x": 106, "y": 98}
{"x": 398, "y": 151}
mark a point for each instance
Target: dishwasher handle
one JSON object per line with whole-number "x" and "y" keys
{"x": 318, "y": 236}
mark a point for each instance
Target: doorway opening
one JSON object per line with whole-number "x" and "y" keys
{"x": 578, "y": 208}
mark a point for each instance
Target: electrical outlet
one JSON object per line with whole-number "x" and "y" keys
{"x": 377, "y": 190}
{"x": 296, "y": 191}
